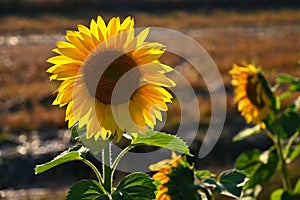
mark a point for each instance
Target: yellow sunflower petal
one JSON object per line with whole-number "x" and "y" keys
{"x": 86, "y": 102}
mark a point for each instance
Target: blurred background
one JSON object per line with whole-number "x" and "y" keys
{"x": 32, "y": 131}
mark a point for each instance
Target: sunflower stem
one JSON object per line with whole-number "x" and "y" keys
{"x": 283, "y": 168}
{"x": 107, "y": 171}
{"x": 284, "y": 176}
{"x": 96, "y": 171}
{"x": 290, "y": 143}
{"x": 119, "y": 157}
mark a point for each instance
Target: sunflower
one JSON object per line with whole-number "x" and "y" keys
{"x": 252, "y": 93}
{"x": 112, "y": 80}
{"x": 164, "y": 168}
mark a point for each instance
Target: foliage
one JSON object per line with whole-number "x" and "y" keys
{"x": 137, "y": 186}
{"x": 283, "y": 130}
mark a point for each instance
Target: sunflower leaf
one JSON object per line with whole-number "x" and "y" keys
{"x": 247, "y": 133}
{"x": 276, "y": 194}
{"x": 293, "y": 81}
{"x": 158, "y": 139}
{"x": 75, "y": 153}
{"x": 259, "y": 167}
{"x": 288, "y": 122}
{"x": 135, "y": 186}
{"x": 86, "y": 189}
{"x": 297, "y": 187}
{"x": 281, "y": 194}
{"x": 232, "y": 182}
{"x": 293, "y": 153}
{"x": 204, "y": 174}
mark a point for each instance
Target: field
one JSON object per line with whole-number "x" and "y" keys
{"x": 268, "y": 38}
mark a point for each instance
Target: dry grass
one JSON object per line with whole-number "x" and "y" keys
{"x": 25, "y": 93}
{"x": 184, "y": 20}
{"x": 179, "y": 20}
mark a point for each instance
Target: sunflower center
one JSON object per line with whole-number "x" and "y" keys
{"x": 103, "y": 69}
{"x": 254, "y": 91}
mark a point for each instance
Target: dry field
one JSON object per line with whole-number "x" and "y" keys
{"x": 269, "y": 39}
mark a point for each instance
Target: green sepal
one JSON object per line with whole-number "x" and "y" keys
{"x": 75, "y": 132}
{"x": 269, "y": 93}
{"x": 75, "y": 153}
{"x": 95, "y": 146}
{"x": 87, "y": 190}
{"x": 135, "y": 186}
{"x": 158, "y": 139}
{"x": 259, "y": 167}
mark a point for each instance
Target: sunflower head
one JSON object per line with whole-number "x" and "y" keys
{"x": 176, "y": 178}
{"x": 112, "y": 80}
{"x": 253, "y": 96}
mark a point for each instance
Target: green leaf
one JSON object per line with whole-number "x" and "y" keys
{"x": 204, "y": 194}
{"x": 294, "y": 153}
{"x": 259, "y": 167}
{"x": 297, "y": 187}
{"x": 276, "y": 195}
{"x": 284, "y": 78}
{"x": 135, "y": 186}
{"x": 204, "y": 174}
{"x": 293, "y": 81}
{"x": 294, "y": 106}
{"x": 154, "y": 138}
{"x": 75, "y": 153}
{"x": 285, "y": 95}
{"x": 87, "y": 190}
{"x": 252, "y": 193}
{"x": 294, "y": 85}
{"x": 288, "y": 195}
{"x": 212, "y": 183}
{"x": 288, "y": 122}
{"x": 247, "y": 133}
{"x": 232, "y": 182}
{"x": 281, "y": 194}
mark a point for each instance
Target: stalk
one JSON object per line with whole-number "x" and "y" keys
{"x": 107, "y": 171}
{"x": 98, "y": 174}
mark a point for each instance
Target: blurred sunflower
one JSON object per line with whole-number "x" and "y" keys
{"x": 164, "y": 168}
{"x": 92, "y": 64}
{"x": 252, "y": 93}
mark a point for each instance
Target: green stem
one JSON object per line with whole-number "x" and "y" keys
{"x": 283, "y": 168}
{"x": 285, "y": 180}
{"x": 119, "y": 157}
{"x": 98, "y": 174}
{"x": 107, "y": 170}
{"x": 289, "y": 144}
